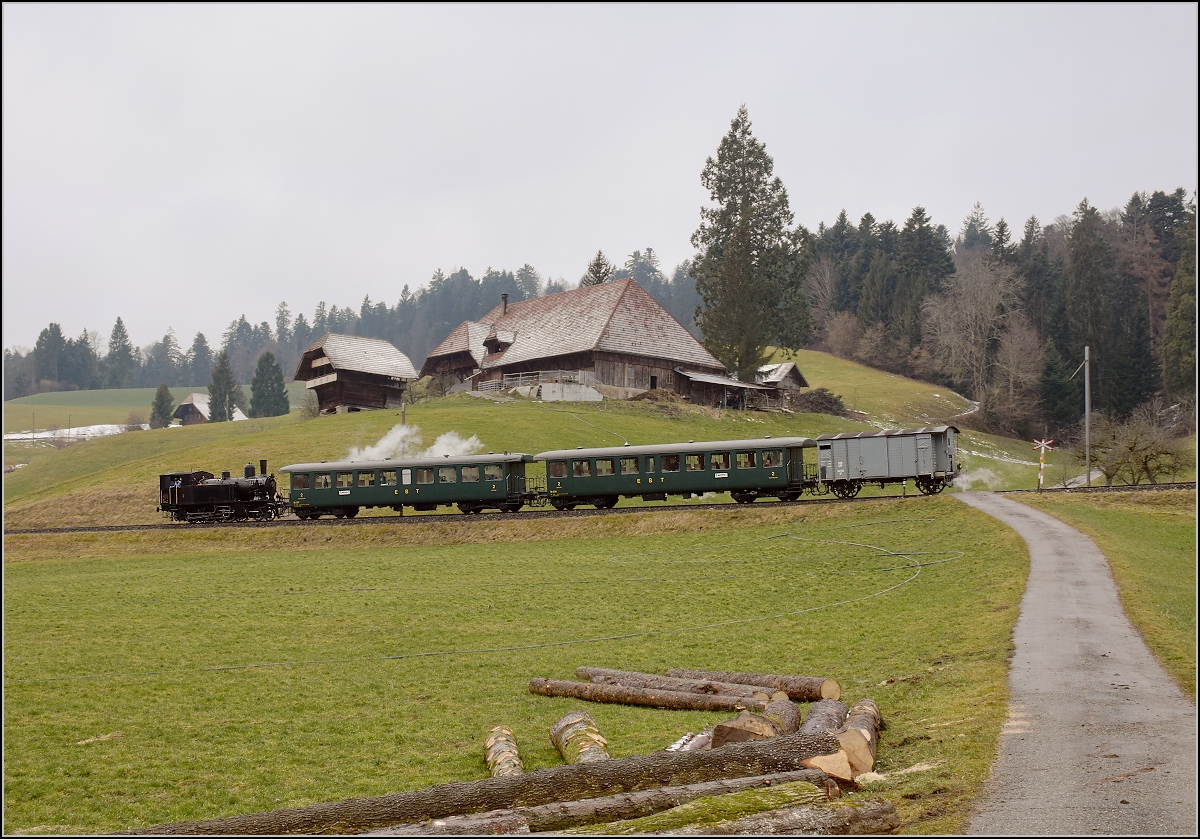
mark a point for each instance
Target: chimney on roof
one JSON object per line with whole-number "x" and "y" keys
{"x": 504, "y": 304}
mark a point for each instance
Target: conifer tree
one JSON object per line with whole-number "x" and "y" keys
{"x": 121, "y": 362}
{"x": 268, "y": 397}
{"x": 599, "y": 270}
{"x": 1179, "y": 336}
{"x": 747, "y": 271}
{"x": 224, "y": 393}
{"x": 162, "y": 408}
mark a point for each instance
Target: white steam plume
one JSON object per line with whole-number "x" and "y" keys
{"x": 405, "y": 441}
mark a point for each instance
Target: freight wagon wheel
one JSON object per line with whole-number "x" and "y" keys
{"x": 846, "y": 489}
{"x": 930, "y": 486}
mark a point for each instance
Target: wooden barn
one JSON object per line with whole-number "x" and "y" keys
{"x": 193, "y": 410}
{"x": 613, "y": 337}
{"x": 350, "y": 373}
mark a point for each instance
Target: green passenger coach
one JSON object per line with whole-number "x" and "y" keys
{"x": 746, "y": 469}
{"x": 474, "y": 483}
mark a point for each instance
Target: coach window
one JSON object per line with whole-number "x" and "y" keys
{"x": 447, "y": 474}
{"x": 366, "y": 479}
{"x": 470, "y": 474}
{"x": 629, "y": 466}
{"x": 670, "y": 463}
{"x": 323, "y": 481}
{"x": 387, "y": 477}
{"x": 604, "y": 466}
{"x": 746, "y": 460}
{"x": 495, "y": 472}
{"x": 299, "y": 480}
{"x": 345, "y": 479}
{"x": 772, "y": 458}
{"x": 719, "y": 460}
{"x": 694, "y": 462}
{"x": 425, "y": 476}
{"x": 557, "y": 469}
{"x": 581, "y": 468}
{"x": 650, "y": 465}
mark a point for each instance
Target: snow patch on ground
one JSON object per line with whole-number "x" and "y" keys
{"x": 83, "y": 432}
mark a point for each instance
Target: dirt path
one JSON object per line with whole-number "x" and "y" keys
{"x": 1098, "y": 738}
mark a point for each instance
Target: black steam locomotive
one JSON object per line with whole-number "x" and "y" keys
{"x": 203, "y": 497}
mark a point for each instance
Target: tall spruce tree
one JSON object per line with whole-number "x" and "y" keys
{"x": 746, "y": 266}
{"x": 224, "y": 393}
{"x": 121, "y": 363}
{"x": 268, "y": 397}
{"x": 162, "y": 407}
{"x": 1179, "y": 335}
{"x": 599, "y": 270}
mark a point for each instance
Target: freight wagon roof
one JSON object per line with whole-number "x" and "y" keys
{"x": 616, "y": 317}
{"x": 681, "y": 448}
{"x": 891, "y": 432}
{"x": 353, "y": 352}
{"x": 409, "y": 462}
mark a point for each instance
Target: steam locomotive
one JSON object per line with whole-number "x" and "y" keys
{"x": 203, "y": 497}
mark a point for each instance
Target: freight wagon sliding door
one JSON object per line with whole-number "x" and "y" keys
{"x": 925, "y": 465}
{"x": 902, "y": 456}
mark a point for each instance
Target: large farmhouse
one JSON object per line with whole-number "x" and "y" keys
{"x": 350, "y": 373}
{"x": 613, "y": 337}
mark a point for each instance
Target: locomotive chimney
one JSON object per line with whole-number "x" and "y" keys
{"x": 262, "y": 467}
{"x": 225, "y": 475}
{"x": 249, "y": 470}
{"x": 504, "y": 304}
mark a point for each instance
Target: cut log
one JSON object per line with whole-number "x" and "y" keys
{"x": 785, "y": 715}
{"x": 631, "y": 805}
{"x": 653, "y": 681}
{"x": 622, "y": 695}
{"x": 578, "y": 738}
{"x": 541, "y": 786}
{"x": 836, "y": 765}
{"x": 799, "y": 688}
{"x": 745, "y": 726}
{"x": 874, "y": 818}
{"x": 859, "y": 735}
{"x": 826, "y": 715}
{"x": 692, "y": 742}
{"x": 500, "y": 753}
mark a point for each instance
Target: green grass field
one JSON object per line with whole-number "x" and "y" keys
{"x": 1149, "y": 540}
{"x": 152, "y": 677}
{"x": 238, "y": 671}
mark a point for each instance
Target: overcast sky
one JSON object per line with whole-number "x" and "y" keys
{"x": 181, "y": 165}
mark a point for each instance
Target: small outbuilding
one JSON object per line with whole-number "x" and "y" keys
{"x": 193, "y": 410}
{"x": 352, "y": 373}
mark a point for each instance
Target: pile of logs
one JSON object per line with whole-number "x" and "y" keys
{"x": 768, "y": 743}
{"x": 765, "y": 703}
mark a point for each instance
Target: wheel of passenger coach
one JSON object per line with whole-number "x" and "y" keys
{"x": 743, "y": 497}
{"x": 606, "y": 503}
{"x": 510, "y": 507}
{"x": 351, "y": 512}
{"x": 563, "y": 505}
{"x": 789, "y": 496}
{"x": 339, "y": 514}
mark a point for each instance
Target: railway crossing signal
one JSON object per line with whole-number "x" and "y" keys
{"x": 1044, "y": 446}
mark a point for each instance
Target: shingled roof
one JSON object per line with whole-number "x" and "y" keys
{"x": 352, "y": 352}
{"x": 615, "y": 317}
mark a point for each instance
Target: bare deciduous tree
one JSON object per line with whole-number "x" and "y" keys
{"x": 821, "y": 287}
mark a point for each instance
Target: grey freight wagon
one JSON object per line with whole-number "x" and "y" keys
{"x": 926, "y": 456}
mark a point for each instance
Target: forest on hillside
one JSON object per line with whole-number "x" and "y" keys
{"x": 1003, "y": 317}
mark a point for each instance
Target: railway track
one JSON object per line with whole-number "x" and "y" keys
{"x": 525, "y": 515}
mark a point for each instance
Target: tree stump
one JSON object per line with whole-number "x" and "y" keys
{"x": 578, "y": 738}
